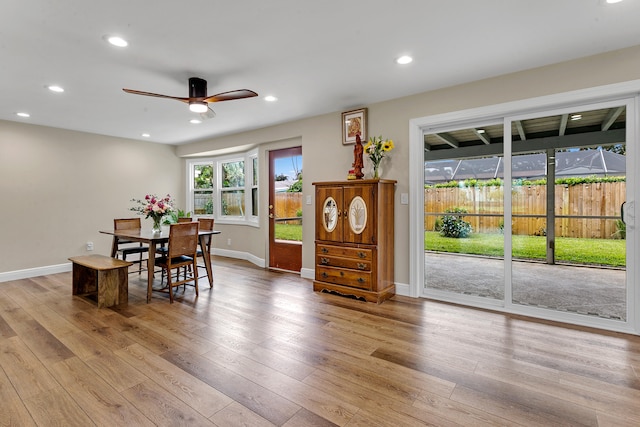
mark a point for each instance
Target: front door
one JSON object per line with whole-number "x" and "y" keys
{"x": 285, "y": 209}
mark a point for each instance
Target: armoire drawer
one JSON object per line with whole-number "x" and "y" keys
{"x": 354, "y": 264}
{"x": 346, "y": 277}
{"x": 343, "y": 251}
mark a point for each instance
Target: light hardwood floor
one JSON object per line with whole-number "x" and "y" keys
{"x": 262, "y": 349}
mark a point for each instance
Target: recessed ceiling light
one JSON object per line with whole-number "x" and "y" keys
{"x": 270, "y": 98}
{"x": 146, "y": 135}
{"x": 55, "y": 88}
{"x": 195, "y": 121}
{"x": 21, "y": 114}
{"x": 481, "y": 130}
{"x": 404, "y": 60}
{"x": 117, "y": 41}
{"x": 576, "y": 116}
{"x": 613, "y": 1}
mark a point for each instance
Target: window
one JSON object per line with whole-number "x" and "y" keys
{"x": 202, "y": 184}
{"x": 232, "y": 188}
{"x": 225, "y": 187}
{"x": 254, "y": 186}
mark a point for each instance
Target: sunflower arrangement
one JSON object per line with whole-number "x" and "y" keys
{"x": 377, "y": 148}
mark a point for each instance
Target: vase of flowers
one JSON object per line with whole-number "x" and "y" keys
{"x": 154, "y": 207}
{"x": 376, "y": 149}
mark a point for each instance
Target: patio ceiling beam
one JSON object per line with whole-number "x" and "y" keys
{"x": 563, "y": 124}
{"x": 520, "y": 128}
{"x": 448, "y": 139}
{"x": 482, "y": 135}
{"x": 609, "y": 137}
{"x": 612, "y": 116}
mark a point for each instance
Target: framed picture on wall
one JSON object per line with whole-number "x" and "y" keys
{"x": 354, "y": 122}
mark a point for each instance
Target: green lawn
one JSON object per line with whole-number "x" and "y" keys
{"x": 581, "y": 251}
{"x": 289, "y": 232}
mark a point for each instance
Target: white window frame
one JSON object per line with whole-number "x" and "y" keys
{"x": 216, "y": 162}
{"x": 190, "y": 184}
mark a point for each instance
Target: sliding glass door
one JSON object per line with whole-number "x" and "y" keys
{"x": 528, "y": 213}
{"x": 463, "y": 215}
{"x": 568, "y": 236}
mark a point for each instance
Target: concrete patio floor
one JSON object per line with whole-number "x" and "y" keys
{"x": 591, "y": 291}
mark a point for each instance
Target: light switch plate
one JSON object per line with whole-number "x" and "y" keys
{"x": 308, "y": 200}
{"x": 404, "y": 198}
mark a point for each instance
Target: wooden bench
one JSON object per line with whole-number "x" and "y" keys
{"x": 103, "y": 276}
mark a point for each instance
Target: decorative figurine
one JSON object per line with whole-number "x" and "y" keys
{"x": 358, "y": 149}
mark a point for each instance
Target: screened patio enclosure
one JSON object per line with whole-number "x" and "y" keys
{"x": 539, "y": 199}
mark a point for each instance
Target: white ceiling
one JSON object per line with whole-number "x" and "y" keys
{"x": 316, "y": 57}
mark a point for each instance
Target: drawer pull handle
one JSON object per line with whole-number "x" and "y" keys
{"x": 361, "y": 280}
{"x": 324, "y": 261}
{"x": 362, "y": 255}
{"x": 324, "y": 250}
{"x": 324, "y": 275}
{"x": 342, "y": 274}
{"x": 362, "y": 266}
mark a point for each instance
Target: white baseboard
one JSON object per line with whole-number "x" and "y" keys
{"x": 34, "y": 272}
{"x": 403, "y": 289}
{"x": 308, "y": 273}
{"x": 260, "y": 262}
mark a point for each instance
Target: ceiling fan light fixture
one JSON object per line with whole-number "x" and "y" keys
{"x": 198, "y": 107}
{"x": 404, "y": 60}
{"x": 117, "y": 41}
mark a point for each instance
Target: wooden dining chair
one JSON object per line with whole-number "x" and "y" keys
{"x": 181, "y": 252}
{"x": 128, "y": 247}
{"x": 205, "y": 224}
{"x": 162, "y": 249}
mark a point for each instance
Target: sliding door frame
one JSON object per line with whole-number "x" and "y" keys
{"x": 623, "y": 93}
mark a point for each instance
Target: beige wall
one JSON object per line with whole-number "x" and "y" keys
{"x": 325, "y": 158}
{"x": 46, "y": 174}
{"x": 58, "y": 188}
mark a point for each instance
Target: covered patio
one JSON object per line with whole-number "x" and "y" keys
{"x": 554, "y": 287}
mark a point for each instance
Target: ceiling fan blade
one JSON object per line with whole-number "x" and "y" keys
{"x": 210, "y": 114}
{"x": 137, "y": 92}
{"x": 231, "y": 95}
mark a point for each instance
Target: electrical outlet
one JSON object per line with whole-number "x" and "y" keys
{"x": 89, "y": 246}
{"x": 228, "y": 242}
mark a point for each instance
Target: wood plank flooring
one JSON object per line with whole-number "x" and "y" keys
{"x": 262, "y": 349}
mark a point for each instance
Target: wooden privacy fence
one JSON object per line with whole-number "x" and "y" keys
{"x": 288, "y": 205}
{"x": 579, "y": 208}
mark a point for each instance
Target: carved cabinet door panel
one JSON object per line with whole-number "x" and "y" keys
{"x": 329, "y": 213}
{"x": 360, "y": 211}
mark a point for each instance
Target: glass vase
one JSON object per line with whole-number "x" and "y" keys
{"x": 157, "y": 223}
{"x": 376, "y": 171}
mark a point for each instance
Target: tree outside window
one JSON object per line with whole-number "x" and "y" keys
{"x": 232, "y": 191}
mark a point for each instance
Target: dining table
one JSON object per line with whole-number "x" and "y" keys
{"x": 153, "y": 239}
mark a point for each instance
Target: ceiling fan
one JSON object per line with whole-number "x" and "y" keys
{"x": 198, "y": 100}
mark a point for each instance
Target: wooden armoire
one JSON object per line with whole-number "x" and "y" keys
{"x": 354, "y": 238}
